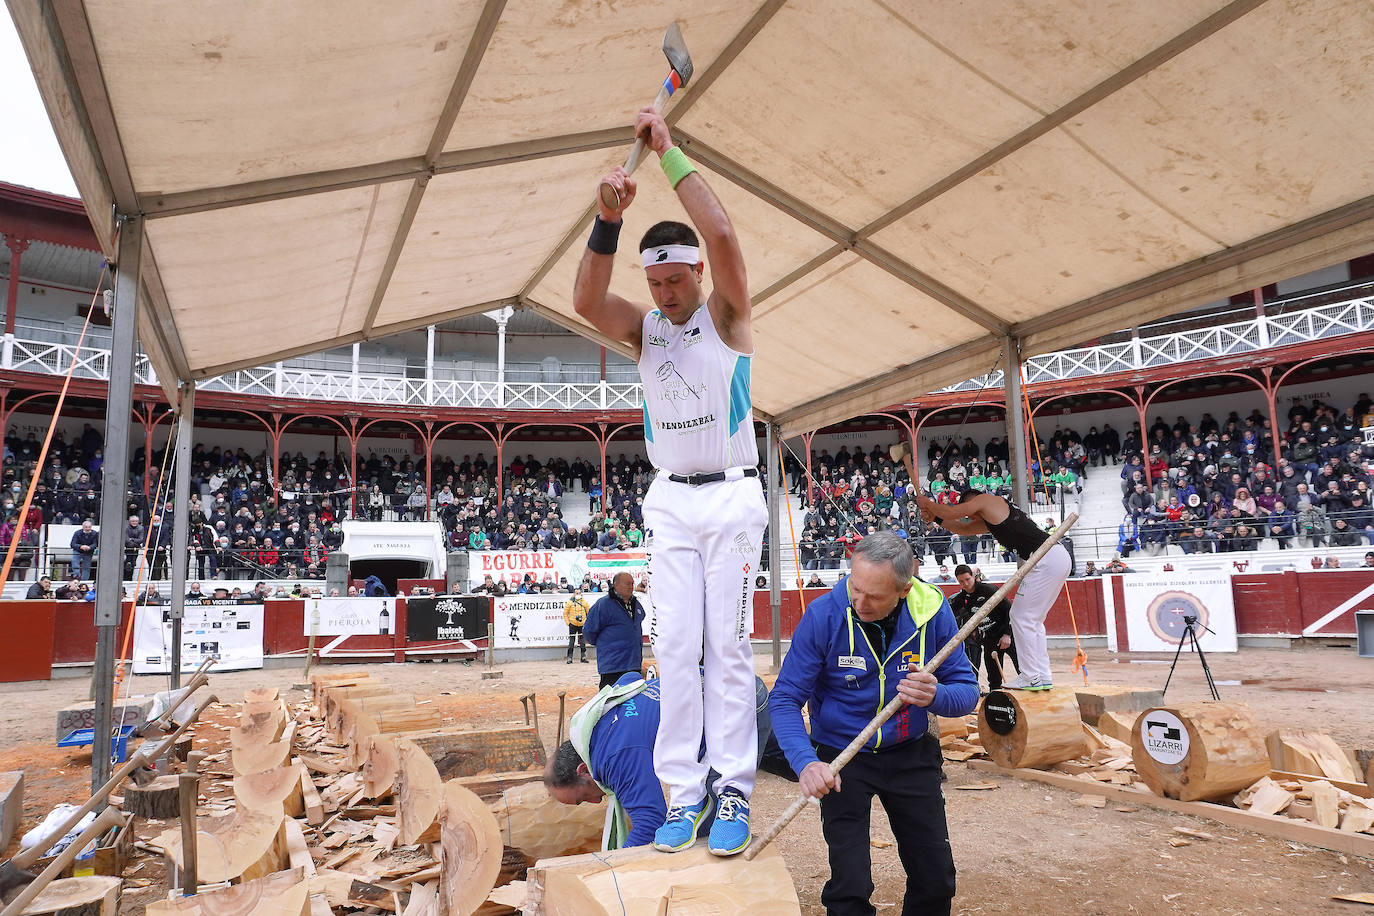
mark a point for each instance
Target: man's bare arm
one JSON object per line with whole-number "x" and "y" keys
{"x": 729, "y": 301}
{"x": 612, "y": 315}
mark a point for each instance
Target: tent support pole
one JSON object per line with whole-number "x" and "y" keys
{"x": 109, "y": 598}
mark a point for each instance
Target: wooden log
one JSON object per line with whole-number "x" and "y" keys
{"x": 1025, "y": 728}
{"x": 323, "y": 679}
{"x": 11, "y": 804}
{"x": 277, "y": 786}
{"x": 246, "y": 844}
{"x": 386, "y": 721}
{"x": 491, "y": 786}
{"x": 158, "y": 799}
{"x": 380, "y": 766}
{"x": 343, "y": 710}
{"x": 260, "y": 694}
{"x": 1118, "y": 725}
{"x": 479, "y": 752}
{"x": 247, "y": 759}
{"x": 1094, "y": 702}
{"x": 1302, "y": 751}
{"x": 92, "y": 895}
{"x": 538, "y": 826}
{"x": 259, "y": 723}
{"x": 331, "y": 696}
{"x": 419, "y": 794}
{"x": 283, "y": 893}
{"x": 469, "y": 851}
{"x": 1199, "y": 751}
{"x": 641, "y": 881}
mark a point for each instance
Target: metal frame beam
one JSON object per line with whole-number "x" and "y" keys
{"x": 181, "y": 521}
{"x": 114, "y": 483}
{"x": 467, "y": 70}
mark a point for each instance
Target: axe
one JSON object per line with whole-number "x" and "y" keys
{"x": 675, "y": 49}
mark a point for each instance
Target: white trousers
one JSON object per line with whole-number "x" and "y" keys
{"x": 707, "y": 542}
{"x": 1034, "y": 598}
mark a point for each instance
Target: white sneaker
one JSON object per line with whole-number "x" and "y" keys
{"x": 1024, "y": 682}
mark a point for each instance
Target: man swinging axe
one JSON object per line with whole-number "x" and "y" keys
{"x": 983, "y": 513}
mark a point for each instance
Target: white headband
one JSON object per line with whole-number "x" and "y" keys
{"x": 672, "y": 254}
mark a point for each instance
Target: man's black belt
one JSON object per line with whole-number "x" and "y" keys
{"x": 696, "y": 480}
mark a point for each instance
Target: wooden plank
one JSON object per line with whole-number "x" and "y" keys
{"x": 1354, "y": 788}
{"x": 297, "y": 852}
{"x": 310, "y": 797}
{"x": 1282, "y": 828}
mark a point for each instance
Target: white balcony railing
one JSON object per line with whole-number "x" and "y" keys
{"x": 1319, "y": 322}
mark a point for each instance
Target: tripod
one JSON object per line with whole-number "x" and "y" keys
{"x": 1189, "y": 624}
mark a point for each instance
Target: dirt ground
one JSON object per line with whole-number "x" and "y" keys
{"x": 1020, "y": 848}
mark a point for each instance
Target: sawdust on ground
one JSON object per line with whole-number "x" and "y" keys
{"x": 1021, "y": 848}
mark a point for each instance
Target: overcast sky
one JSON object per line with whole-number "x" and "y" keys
{"x": 29, "y": 154}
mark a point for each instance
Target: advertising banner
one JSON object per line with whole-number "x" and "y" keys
{"x": 536, "y": 621}
{"x": 228, "y": 632}
{"x": 511, "y": 566}
{"x": 1158, "y": 609}
{"x": 350, "y": 616}
{"x": 447, "y": 617}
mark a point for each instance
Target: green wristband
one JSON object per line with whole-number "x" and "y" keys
{"x": 676, "y": 166}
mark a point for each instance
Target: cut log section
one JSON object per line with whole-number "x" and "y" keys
{"x": 491, "y": 786}
{"x": 541, "y": 828}
{"x": 1118, "y": 725}
{"x": 324, "y": 679}
{"x": 260, "y": 695}
{"x": 419, "y": 794}
{"x": 383, "y": 722}
{"x": 1021, "y": 728}
{"x": 641, "y": 881}
{"x": 254, "y": 758}
{"x": 380, "y": 766}
{"x": 471, "y": 753}
{"x": 159, "y": 799}
{"x": 284, "y": 893}
{"x": 93, "y": 895}
{"x": 330, "y": 697}
{"x": 259, "y": 723}
{"x": 1310, "y": 752}
{"x": 346, "y": 710}
{"x": 1199, "y": 751}
{"x": 246, "y": 844}
{"x": 469, "y": 852}
{"x": 279, "y": 786}
{"x": 1095, "y": 702}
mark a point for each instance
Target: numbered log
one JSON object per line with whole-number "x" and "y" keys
{"x": 284, "y": 893}
{"x": 158, "y": 799}
{"x": 1199, "y": 751}
{"x": 93, "y": 895}
{"x": 641, "y": 881}
{"x": 469, "y": 851}
{"x": 1031, "y": 728}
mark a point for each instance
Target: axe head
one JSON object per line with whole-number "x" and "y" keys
{"x": 675, "y": 49}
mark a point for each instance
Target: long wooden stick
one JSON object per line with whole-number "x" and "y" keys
{"x": 896, "y": 703}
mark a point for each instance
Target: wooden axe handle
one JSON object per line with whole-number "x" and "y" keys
{"x": 897, "y": 703}
{"x": 106, "y": 819}
{"x": 609, "y": 198}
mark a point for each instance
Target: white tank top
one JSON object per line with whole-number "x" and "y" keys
{"x": 698, "y": 417}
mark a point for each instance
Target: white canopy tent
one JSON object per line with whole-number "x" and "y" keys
{"x": 912, "y": 181}
{"x": 918, "y": 185}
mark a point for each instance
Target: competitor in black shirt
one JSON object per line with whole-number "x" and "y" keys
{"x": 983, "y": 513}
{"x": 993, "y": 636}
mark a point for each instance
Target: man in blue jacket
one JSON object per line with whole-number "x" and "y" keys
{"x": 615, "y": 625}
{"x": 855, "y": 649}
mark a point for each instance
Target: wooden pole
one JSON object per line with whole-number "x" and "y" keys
{"x": 935, "y": 662}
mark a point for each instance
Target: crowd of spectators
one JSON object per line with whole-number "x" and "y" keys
{"x": 1222, "y": 486}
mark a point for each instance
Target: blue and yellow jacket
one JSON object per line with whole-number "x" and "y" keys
{"x": 833, "y": 666}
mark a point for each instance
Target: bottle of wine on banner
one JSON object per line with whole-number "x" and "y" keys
{"x": 384, "y": 619}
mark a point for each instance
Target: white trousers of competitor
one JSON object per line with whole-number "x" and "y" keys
{"x": 1034, "y": 597}
{"x": 707, "y": 542}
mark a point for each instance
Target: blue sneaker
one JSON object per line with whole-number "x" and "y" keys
{"x": 730, "y": 832}
{"x": 680, "y": 829}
